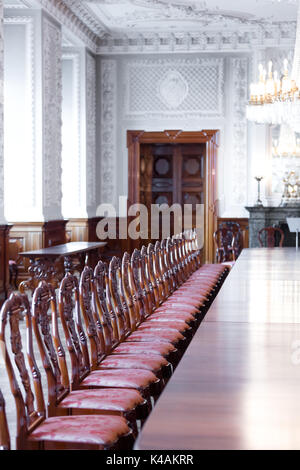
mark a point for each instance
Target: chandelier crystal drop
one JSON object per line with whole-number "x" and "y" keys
{"x": 274, "y": 99}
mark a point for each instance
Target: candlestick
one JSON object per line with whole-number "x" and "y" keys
{"x": 258, "y": 179}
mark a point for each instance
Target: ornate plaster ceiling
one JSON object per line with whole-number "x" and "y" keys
{"x": 101, "y": 21}
{"x": 182, "y": 15}
{"x": 112, "y": 16}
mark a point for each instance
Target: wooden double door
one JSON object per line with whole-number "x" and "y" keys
{"x": 173, "y": 174}
{"x": 175, "y": 167}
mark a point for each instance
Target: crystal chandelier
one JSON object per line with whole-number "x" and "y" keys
{"x": 288, "y": 145}
{"x": 276, "y": 100}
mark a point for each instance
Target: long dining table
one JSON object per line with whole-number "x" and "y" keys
{"x": 238, "y": 384}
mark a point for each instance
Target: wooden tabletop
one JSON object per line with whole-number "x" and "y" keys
{"x": 67, "y": 249}
{"x": 238, "y": 384}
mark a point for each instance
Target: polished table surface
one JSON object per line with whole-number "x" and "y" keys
{"x": 238, "y": 384}
{"x": 65, "y": 249}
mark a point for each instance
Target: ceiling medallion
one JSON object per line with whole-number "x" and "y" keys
{"x": 172, "y": 89}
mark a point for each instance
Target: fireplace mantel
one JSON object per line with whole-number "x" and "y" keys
{"x": 261, "y": 216}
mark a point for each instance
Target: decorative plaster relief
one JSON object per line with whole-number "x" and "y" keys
{"x": 62, "y": 13}
{"x": 242, "y": 38}
{"x": 91, "y": 129}
{"x": 108, "y": 130}
{"x": 52, "y": 100}
{"x": 172, "y": 88}
{"x": 239, "y": 67}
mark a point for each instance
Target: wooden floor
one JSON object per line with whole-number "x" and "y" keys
{"x": 238, "y": 384}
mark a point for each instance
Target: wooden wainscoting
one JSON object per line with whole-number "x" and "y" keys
{"x": 244, "y": 224}
{"x": 4, "y": 267}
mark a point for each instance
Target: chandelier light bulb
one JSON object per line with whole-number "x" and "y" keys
{"x": 270, "y": 66}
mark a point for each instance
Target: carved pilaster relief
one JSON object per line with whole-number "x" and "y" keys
{"x": 108, "y": 130}
{"x": 91, "y": 129}
{"x": 239, "y": 67}
{"x": 52, "y": 102}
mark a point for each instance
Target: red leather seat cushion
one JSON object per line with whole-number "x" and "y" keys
{"x": 134, "y": 362}
{"x": 169, "y": 316}
{"x": 121, "y": 378}
{"x": 113, "y": 399}
{"x": 173, "y": 309}
{"x": 162, "y": 349}
{"x": 92, "y": 429}
{"x": 179, "y": 325}
{"x": 159, "y": 330}
{"x": 155, "y": 336}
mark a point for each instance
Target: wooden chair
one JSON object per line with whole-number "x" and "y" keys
{"x": 173, "y": 318}
{"x": 224, "y": 243}
{"x": 15, "y": 247}
{"x": 154, "y": 363}
{"x": 237, "y": 243}
{"x": 34, "y": 429}
{"x": 145, "y": 381}
{"x": 272, "y": 235}
{"x": 62, "y": 401}
{"x": 144, "y": 345}
{"x": 163, "y": 331}
{"x": 4, "y": 432}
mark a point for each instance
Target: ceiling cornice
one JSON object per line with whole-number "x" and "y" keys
{"x": 75, "y": 23}
{"x": 244, "y": 38}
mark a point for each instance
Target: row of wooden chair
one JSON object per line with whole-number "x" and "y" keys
{"x": 125, "y": 327}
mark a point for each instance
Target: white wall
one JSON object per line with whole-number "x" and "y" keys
{"x": 211, "y": 93}
{"x": 2, "y": 218}
{"x": 19, "y": 148}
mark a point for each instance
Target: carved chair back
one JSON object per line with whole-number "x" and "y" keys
{"x": 164, "y": 269}
{"x": 4, "y": 432}
{"x": 136, "y": 282}
{"x": 144, "y": 281}
{"x": 272, "y": 234}
{"x": 171, "y": 263}
{"x": 178, "y": 260}
{"x": 52, "y": 353}
{"x": 196, "y": 237}
{"x": 88, "y": 309}
{"x": 188, "y": 242}
{"x": 122, "y": 314}
{"x": 224, "y": 240}
{"x": 158, "y": 273}
{"x": 237, "y": 243}
{"x": 104, "y": 309}
{"x": 30, "y": 406}
{"x": 147, "y": 279}
{"x": 71, "y": 320}
{"x": 153, "y": 279}
{"x": 129, "y": 292}
{"x": 174, "y": 261}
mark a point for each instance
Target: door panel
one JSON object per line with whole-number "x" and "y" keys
{"x": 177, "y": 175}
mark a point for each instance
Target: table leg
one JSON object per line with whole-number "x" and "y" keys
{"x": 40, "y": 269}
